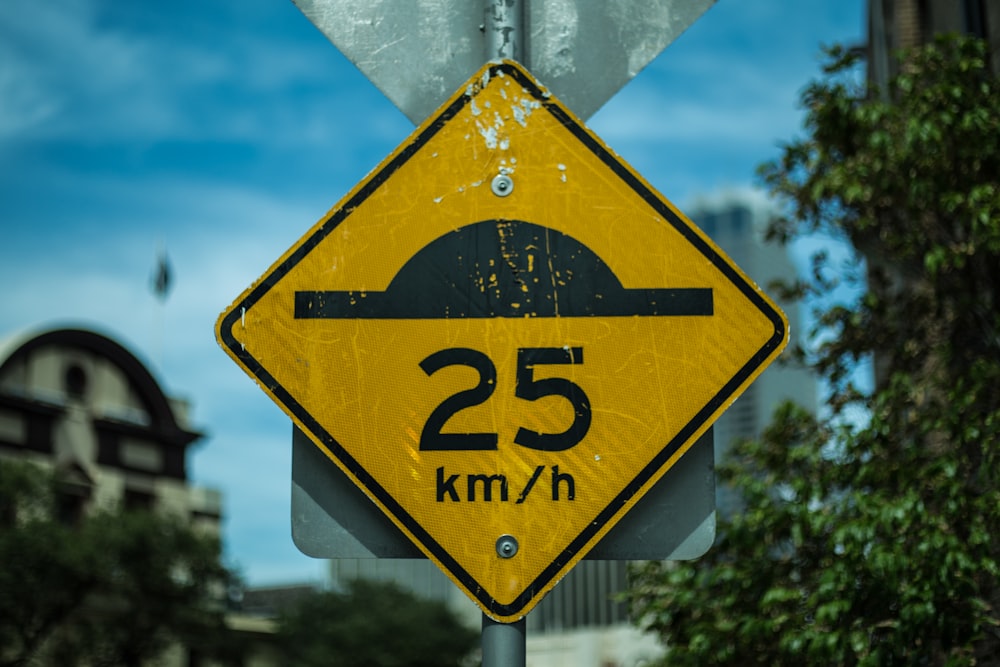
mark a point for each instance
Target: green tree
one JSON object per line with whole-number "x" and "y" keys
{"x": 115, "y": 588}
{"x": 45, "y": 575}
{"x": 872, "y": 540}
{"x": 373, "y": 624}
{"x": 161, "y": 583}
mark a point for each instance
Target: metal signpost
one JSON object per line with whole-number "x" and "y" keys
{"x": 502, "y": 326}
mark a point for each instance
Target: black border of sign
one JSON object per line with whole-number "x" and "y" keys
{"x": 334, "y": 448}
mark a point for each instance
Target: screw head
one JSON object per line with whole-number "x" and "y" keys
{"x": 502, "y": 185}
{"x": 506, "y": 546}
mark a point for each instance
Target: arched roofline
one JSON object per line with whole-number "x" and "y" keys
{"x": 150, "y": 392}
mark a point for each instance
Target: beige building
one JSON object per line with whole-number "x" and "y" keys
{"x": 81, "y": 402}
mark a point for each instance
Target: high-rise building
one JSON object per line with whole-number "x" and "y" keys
{"x": 902, "y": 24}
{"x": 738, "y": 224}
{"x": 895, "y": 25}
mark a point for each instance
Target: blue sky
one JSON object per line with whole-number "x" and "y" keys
{"x": 223, "y": 129}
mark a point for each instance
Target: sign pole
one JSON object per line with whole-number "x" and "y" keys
{"x": 504, "y": 644}
{"x": 504, "y": 27}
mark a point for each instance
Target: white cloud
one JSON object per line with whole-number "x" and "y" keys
{"x": 65, "y": 74}
{"x": 54, "y": 56}
{"x": 727, "y": 103}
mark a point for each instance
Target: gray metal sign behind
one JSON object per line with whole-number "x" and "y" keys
{"x": 333, "y": 518}
{"x": 418, "y": 52}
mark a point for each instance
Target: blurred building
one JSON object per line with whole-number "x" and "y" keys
{"x": 81, "y": 403}
{"x": 580, "y": 623}
{"x": 903, "y": 24}
{"x": 894, "y": 25}
{"x": 738, "y": 224}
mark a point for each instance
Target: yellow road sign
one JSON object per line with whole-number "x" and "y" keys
{"x": 504, "y": 336}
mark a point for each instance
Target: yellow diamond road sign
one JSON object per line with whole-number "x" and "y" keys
{"x": 504, "y": 336}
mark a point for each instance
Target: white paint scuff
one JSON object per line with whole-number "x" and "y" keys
{"x": 561, "y": 22}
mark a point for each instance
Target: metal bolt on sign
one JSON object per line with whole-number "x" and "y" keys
{"x": 507, "y": 546}
{"x": 502, "y": 185}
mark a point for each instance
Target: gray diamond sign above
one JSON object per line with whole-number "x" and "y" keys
{"x": 418, "y": 53}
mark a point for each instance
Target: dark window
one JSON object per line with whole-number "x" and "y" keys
{"x": 924, "y": 21}
{"x": 75, "y": 381}
{"x": 70, "y": 506}
{"x": 975, "y": 23}
{"x": 136, "y": 500}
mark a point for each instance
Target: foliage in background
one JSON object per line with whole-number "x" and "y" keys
{"x": 374, "y": 624}
{"x": 872, "y": 541}
{"x": 121, "y": 588}
{"x": 113, "y": 588}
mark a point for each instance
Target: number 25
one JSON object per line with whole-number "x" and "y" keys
{"x": 526, "y": 387}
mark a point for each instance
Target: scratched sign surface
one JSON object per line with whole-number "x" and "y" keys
{"x": 504, "y": 336}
